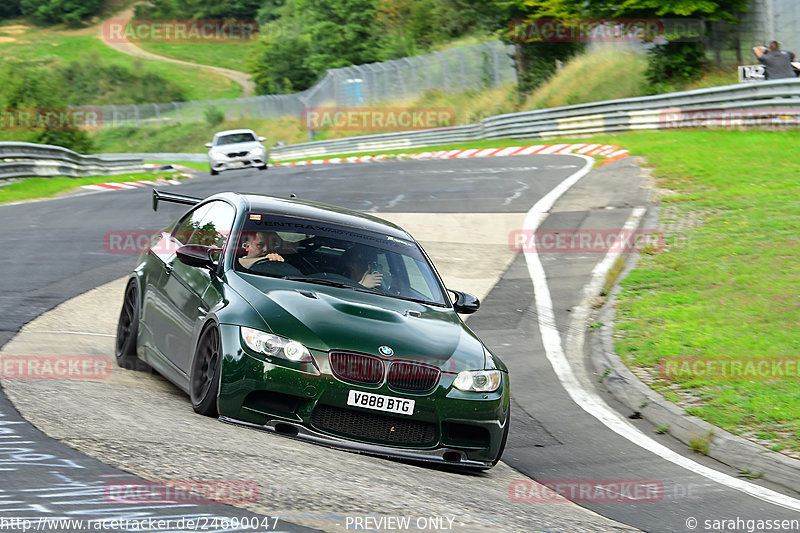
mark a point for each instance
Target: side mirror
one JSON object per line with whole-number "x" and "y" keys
{"x": 465, "y": 303}
{"x": 261, "y": 139}
{"x": 197, "y": 255}
{"x": 208, "y": 145}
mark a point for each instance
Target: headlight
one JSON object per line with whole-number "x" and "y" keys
{"x": 257, "y": 151}
{"x": 274, "y": 346}
{"x": 216, "y": 156}
{"x": 478, "y": 380}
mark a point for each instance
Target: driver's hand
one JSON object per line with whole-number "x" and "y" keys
{"x": 371, "y": 281}
{"x": 275, "y": 257}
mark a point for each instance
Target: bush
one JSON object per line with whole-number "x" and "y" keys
{"x": 214, "y": 116}
{"x": 90, "y": 80}
{"x": 71, "y": 12}
{"x": 539, "y": 61}
{"x": 679, "y": 62}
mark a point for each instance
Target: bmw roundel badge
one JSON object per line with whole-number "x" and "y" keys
{"x": 385, "y": 350}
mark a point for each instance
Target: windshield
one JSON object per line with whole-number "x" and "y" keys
{"x": 327, "y": 254}
{"x": 235, "y": 138}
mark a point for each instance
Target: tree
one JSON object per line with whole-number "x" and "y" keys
{"x": 535, "y": 62}
{"x": 198, "y": 9}
{"x": 278, "y": 61}
{"x": 679, "y": 59}
{"x": 9, "y": 9}
{"x": 32, "y": 89}
{"x": 341, "y": 33}
{"x": 71, "y": 12}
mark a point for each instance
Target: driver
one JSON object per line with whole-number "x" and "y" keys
{"x": 258, "y": 245}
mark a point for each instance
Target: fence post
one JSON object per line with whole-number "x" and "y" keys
{"x": 463, "y": 72}
{"x": 414, "y": 89}
{"x": 495, "y": 63}
{"x": 444, "y": 70}
{"x": 426, "y": 60}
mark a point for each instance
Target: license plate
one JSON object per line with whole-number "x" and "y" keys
{"x": 235, "y": 164}
{"x": 379, "y": 402}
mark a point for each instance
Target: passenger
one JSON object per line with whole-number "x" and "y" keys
{"x": 356, "y": 262}
{"x": 258, "y": 245}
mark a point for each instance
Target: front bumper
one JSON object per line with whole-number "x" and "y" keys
{"x": 308, "y": 402}
{"x": 442, "y": 455}
{"x": 230, "y": 163}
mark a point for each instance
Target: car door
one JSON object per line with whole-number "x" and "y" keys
{"x": 182, "y": 287}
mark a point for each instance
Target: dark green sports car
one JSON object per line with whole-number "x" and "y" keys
{"x": 316, "y": 322}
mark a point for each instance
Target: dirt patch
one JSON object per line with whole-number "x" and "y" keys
{"x": 15, "y": 29}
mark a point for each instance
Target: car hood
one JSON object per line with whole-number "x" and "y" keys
{"x": 236, "y": 147}
{"x": 329, "y": 318}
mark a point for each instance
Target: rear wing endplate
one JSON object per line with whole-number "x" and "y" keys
{"x": 174, "y": 198}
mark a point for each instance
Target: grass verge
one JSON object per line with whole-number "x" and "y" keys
{"x": 723, "y": 292}
{"x": 38, "y": 188}
{"x": 714, "y": 317}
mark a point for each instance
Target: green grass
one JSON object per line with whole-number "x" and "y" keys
{"x": 727, "y": 289}
{"x": 36, "y": 188}
{"x": 50, "y": 45}
{"x": 600, "y": 75}
{"x": 191, "y": 137}
{"x": 191, "y": 164}
{"x": 226, "y": 55}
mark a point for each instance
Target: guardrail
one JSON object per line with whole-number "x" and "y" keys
{"x": 19, "y": 159}
{"x": 775, "y": 103}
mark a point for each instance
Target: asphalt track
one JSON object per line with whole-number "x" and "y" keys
{"x": 54, "y": 251}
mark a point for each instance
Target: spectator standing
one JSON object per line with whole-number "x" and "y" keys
{"x": 777, "y": 62}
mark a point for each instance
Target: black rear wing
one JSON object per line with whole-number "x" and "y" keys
{"x": 174, "y": 198}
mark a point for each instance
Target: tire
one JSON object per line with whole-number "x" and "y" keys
{"x": 214, "y": 172}
{"x": 505, "y": 437}
{"x": 262, "y": 167}
{"x": 204, "y": 378}
{"x": 128, "y": 328}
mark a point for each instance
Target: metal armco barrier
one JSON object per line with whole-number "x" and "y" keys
{"x": 18, "y": 160}
{"x": 773, "y": 104}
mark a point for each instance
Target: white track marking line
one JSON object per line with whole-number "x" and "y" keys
{"x": 587, "y": 399}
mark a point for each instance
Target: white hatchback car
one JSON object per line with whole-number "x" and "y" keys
{"x": 236, "y": 149}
